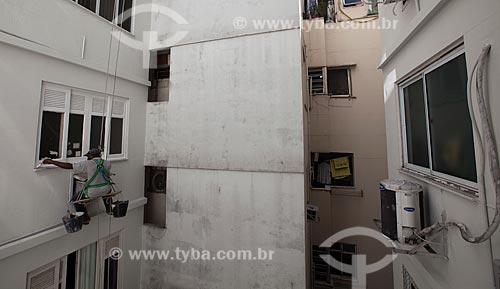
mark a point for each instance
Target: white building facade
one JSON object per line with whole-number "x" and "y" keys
{"x": 62, "y": 73}
{"x": 231, "y": 138}
{"x": 429, "y": 56}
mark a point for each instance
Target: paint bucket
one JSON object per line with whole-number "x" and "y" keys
{"x": 119, "y": 208}
{"x": 73, "y": 222}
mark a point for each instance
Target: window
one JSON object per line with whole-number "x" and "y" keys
{"x": 437, "y": 130}
{"x": 116, "y": 11}
{"x": 334, "y": 81}
{"x": 316, "y": 81}
{"x": 47, "y": 277}
{"x": 343, "y": 253}
{"x": 155, "y": 190}
{"x": 80, "y": 120}
{"x": 332, "y": 170}
{"x": 160, "y": 77}
{"x": 339, "y": 83}
{"x": 352, "y": 2}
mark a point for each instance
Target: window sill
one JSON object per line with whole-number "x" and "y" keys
{"x": 452, "y": 187}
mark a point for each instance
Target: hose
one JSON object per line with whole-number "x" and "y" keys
{"x": 490, "y": 147}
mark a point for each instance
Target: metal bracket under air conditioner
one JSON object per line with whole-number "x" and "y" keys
{"x": 431, "y": 245}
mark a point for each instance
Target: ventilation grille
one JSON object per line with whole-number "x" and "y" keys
{"x": 98, "y": 105}
{"x": 54, "y": 98}
{"x": 77, "y": 102}
{"x": 408, "y": 282}
{"x": 44, "y": 280}
{"x": 118, "y": 107}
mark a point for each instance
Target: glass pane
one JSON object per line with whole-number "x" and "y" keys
{"x": 87, "y": 267}
{"x": 125, "y": 12}
{"x": 416, "y": 129}
{"x": 89, "y": 4}
{"x": 96, "y": 140}
{"x": 50, "y": 137}
{"x": 338, "y": 82}
{"x": 75, "y": 135}
{"x": 451, "y": 128}
{"x": 115, "y": 146}
{"x": 110, "y": 274}
{"x": 106, "y": 9}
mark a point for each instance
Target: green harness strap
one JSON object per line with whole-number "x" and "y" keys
{"x": 100, "y": 168}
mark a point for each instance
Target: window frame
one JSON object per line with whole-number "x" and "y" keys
{"x": 87, "y": 116}
{"x": 115, "y": 20}
{"x": 349, "y": 81}
{"x": 451, "y": 55}
{"x": 325, "y": 70}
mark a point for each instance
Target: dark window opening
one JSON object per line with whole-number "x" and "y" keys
{"x": 416, "y": 130}
{"x": 75, "y": 136}
{"x": 339, "y": 82}
{"x": 125, "y": 12}
{"x": 71, "y": 267}
{"x": 50, "y": 138}
{"x": 352, "y": 2}
{"x": 116, "y": 137}
{"x": 107, "y": 9}
{"x": 160, "y": 77}
{"x": 110, "y": 273}
{"x": 452, "y": 139}
{"x": 89, "y": 4}
{"x": 97, "y": 132}
{"x": 332, "y": 170}
{"x": 155, "y": 189}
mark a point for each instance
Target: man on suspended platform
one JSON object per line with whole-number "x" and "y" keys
{"x": 98, "y": 179}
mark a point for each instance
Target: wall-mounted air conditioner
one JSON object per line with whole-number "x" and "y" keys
{"x": 402, "y": 209}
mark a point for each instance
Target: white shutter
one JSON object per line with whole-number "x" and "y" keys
{"x": 77, "y": 102}
{"x": 118, "y": 107}
{"x": 99, "y": 105}
{"x": 53, "y": 98}
{"x": 114, "y": 242}
{"x": 46, "y": 277}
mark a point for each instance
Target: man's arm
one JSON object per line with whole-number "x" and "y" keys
{"x": 62, "y": 165}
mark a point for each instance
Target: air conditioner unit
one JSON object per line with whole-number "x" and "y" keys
{"x": 402, "y": 209}
{"x": 155, "y": 192}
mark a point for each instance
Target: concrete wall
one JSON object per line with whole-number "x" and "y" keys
{"x": 352, "y": 126}
{"x": 418, "y": 37}
{"x": 231, "y": 137}
{"x": 42, "y": 41}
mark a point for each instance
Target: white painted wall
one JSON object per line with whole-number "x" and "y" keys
{"x": 232, "y": 138}
{"x": 438, "y": 24}
{"x": 35, "y": 200}
{"x": 209, "y": 20}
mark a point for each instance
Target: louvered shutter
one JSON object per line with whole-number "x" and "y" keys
{"x": 118, "y": 107}
{"x": 45, "y": 278}
{"x": 77, "y": 103}
{"x": 54, "y": 98}
{"x": 114, "y": 242}
{"x": 99, "y": 105}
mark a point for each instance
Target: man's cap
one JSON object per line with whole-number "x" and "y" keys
{"x": 94, "y": 153}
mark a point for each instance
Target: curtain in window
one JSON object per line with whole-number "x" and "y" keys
{"x": 87, "y": 267}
